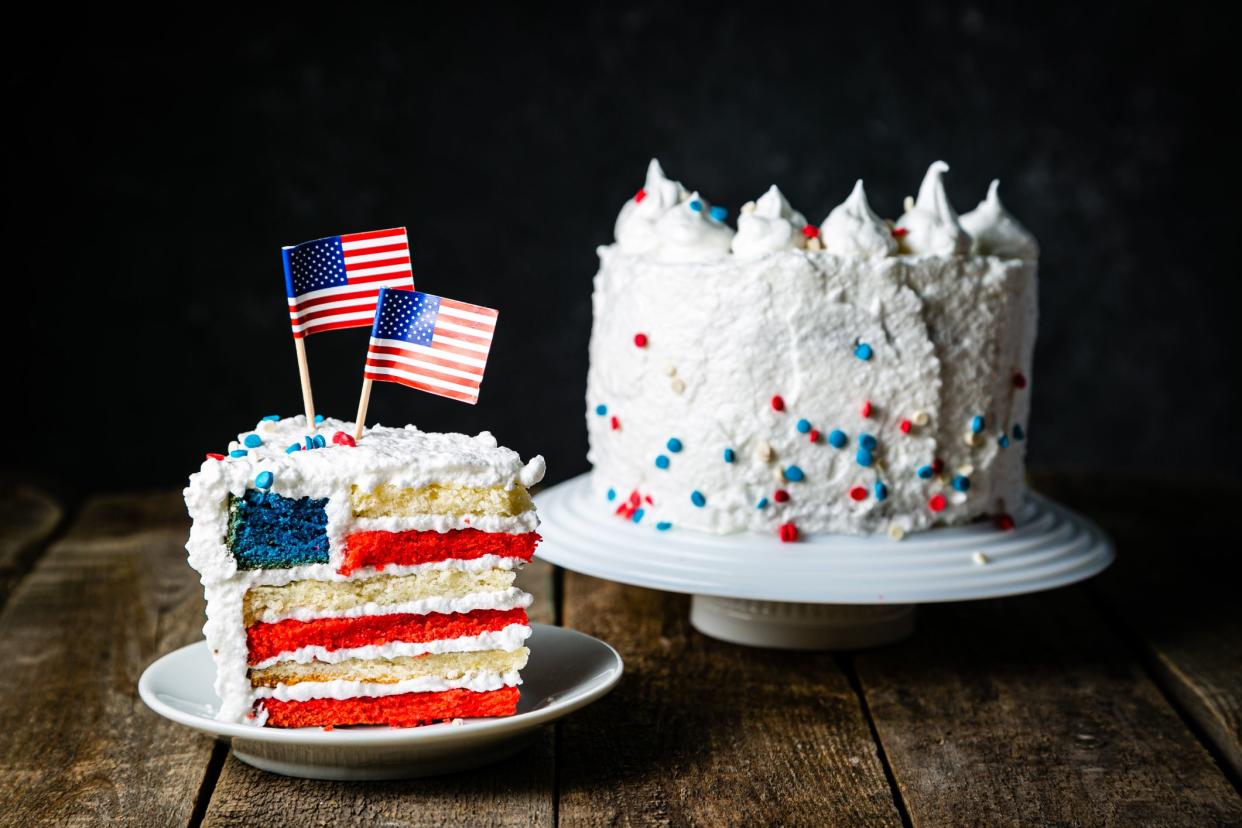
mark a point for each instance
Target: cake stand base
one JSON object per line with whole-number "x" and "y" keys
{"x": 790, "y": 626}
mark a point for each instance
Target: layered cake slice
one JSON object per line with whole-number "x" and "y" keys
{"x": 363, "y": 584}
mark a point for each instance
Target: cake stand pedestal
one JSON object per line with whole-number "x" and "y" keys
{"x": 826, "y": 592}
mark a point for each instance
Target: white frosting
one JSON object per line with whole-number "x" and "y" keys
{"x": 688, "y": 233}
{"x": 508, "y": 639}
{"x": 636, "y": 225}
{"x": 853, "y": 229}
{"x": 932, "y": 226}
{"x": 771, "y": 226}
{"x": 996, "y": 232}
{"x": 947, "y": 335}
{"x": 403, "y": 457}
{"x": 480, "y": 681}
{"x": 502, "y": 599}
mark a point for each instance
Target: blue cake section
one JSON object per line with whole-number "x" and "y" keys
{"x": 268, "y": 531}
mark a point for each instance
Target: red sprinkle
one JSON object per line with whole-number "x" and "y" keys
{"x": 937, "y": 503}
{"x": 1019, "y": 380}
{"x": 615, "y": 423}
{"x": 635, "y": 498}
{"x": 780, "y": 495}
{"x": 813, "y": 436}
{"x": 1003, "y": 522}
{"x": 810, "y": 231}
{"x": 904, "y": 425}
{"x": 639, "y": 196}
{"x": 640, "y": 339}
{"x": 858, "y": 493}
{"x": 343, "y": 439}
{"x": 211, "y": 455}
{"x": 778, "y": 404}
{"x": 937, "y": 466}
{"x": 788, "y": 532}
{"x": 866, "y": 408}
{"x": 648, "y": 499}
{"x": 898, "y": 232}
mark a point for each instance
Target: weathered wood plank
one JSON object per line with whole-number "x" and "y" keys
{"x": 80, "y": 747}
{"x": 1171, "y": 586}
{"x": 1030, "y": 711}
{"x": 28, "y": 517}
{"x": 702, "y": 732}
{"x": 518, "y": 791}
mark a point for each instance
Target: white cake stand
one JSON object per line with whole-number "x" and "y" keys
{"x": 826, "y": 591}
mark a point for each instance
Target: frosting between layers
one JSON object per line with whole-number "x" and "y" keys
{"x": 505, "y": 599}
{"x": 480, "y": 681}
{"x": 508, "y": 639}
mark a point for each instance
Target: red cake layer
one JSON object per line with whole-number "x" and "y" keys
{"x": 270, "y": 640}
{"x": 402, "y": 710}
{"x": 419, "y": 547}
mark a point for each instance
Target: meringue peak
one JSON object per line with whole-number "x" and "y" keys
{"x": 931, "y": 225}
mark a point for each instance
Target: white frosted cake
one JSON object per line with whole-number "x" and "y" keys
{"x": 856, "y": 377}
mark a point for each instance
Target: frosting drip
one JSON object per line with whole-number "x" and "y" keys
{"x": 853, "y": 229}
{"x": 931, "y": 226}
{"x": 996, "y": 232}
{"x": 770, "y": 225}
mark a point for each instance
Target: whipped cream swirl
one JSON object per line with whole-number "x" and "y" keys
{"x": 768, "y": 225}
{"x": 853, "y": 229}
{"x": 931, "y": 226}
{"x": 635, "y": 229}
{"x": 691, "y": 233}
{"x": 996, "y": 232}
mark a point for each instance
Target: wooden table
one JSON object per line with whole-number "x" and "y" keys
{"x": 1113, "y": 703}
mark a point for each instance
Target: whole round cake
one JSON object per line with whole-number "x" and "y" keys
{"x": 859, "y": 376}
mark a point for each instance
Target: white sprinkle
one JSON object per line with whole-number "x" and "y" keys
{"x": 763, "y": 451}
{"x": 678, "y": 385}
{"x": 980, "y": 558}
{"x": 920, "y": 418}
{"x": 896, "y": 532}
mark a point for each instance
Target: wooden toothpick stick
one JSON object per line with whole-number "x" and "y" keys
{"x": 304, "y": 373}
{"x": 360, "y": 421}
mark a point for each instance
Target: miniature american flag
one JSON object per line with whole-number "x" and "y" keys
{"x": 430, "y": 343}
{"x": 334, "y": 283}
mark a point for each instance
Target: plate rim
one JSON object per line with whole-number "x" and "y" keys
{"x": 359, "y": 737}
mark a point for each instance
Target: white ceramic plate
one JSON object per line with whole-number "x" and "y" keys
{"x": 567, "y": 670}
{"x": 1049, "y": 547}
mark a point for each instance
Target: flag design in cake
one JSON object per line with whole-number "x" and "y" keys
{"x": 367, "y": 583}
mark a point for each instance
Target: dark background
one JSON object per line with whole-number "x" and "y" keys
{"x": 151, "y": 176}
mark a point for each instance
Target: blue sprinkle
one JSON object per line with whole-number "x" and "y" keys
{"x": 1003, "y": 441}
{"x": 253, "y": 441}
{"x": 637, "y": 516}
{"x": 960, "y": 482}
{"x": 762, "y": 504}
{"x": 661, "y": 462}
{"x": 719, "y": 213}
{"x": 264, "y": 480}
{"x": 318, "y": 418}
{"x": 1018, "y": 432}
{"x": 803, "y": 426}
{"x": 319, "y": 441}
{"x": 612, "y": 494}
{"x": 864, "y": 457}
{"x": 664, "y": 526}
{"x": 237, "y": 453}
{"x": 601, "y": 409}
{"x": 272, "y": 418}
{"x": 793, "y": 473}
{"x": 863, "y": 351}
{"x": 696, "y": 206}
{"x": 310, "y": 444}
{"x": 867, "y": 441}
{"x": 674, "y": 445}
{"x": 729, "y": 455}
{"x": 925, "y": 472}
{"x": 976, "y": 424}
{"x": 696, "y": 497}
{"x": 881, "y": 491}
{"x": 293, "y": 448}
{"x": 837, "y": 438}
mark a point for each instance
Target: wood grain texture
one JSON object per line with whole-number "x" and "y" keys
{"x": 1029, "y": 711}
{"x": 28, "y": 517}
{"x": 705, "y": 733}
{"x": 80, "y": 748}
{"x": 1175, "y": 586}
{"x": 516, "y": 792}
